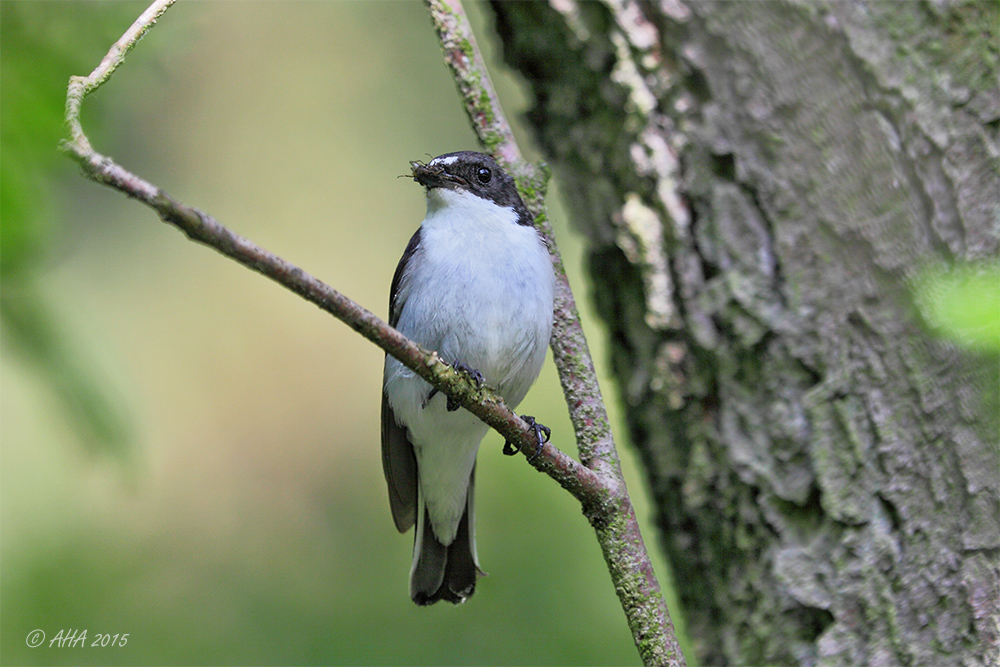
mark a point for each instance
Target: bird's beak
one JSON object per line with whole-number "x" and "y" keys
{"x": 434, "y": 176}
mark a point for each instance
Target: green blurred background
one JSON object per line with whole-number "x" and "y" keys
{"x": 190, "y": 452}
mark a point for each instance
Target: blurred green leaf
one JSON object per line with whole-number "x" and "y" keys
{"x": 963, "y": 304}
{"x": 32, "y": 329}
{"x": 41, "y": 45}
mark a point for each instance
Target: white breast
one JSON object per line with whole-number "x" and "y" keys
{"x": 480, "y": 291}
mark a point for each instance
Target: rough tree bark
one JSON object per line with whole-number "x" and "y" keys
{"x": 761, "y": 184}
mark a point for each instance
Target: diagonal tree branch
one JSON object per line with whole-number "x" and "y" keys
{"x": 203, "y": 228}
{"x": 598, "y": 483}
{"x": 613, "y": 518}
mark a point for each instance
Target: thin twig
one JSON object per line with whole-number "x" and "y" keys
{"x": 613, "y": 517}
{"x": 81, "y": 86}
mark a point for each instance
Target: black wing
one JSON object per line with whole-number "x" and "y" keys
{"x": 398, "y": 460}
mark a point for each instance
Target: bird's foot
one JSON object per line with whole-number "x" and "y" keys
{"x": 542, "y": 434}
{"x": 473, "y": 373}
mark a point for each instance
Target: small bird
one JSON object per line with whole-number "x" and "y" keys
{"x": 475, "y": 284}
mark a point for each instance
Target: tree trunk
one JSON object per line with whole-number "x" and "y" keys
{"x": 761, "y": 185}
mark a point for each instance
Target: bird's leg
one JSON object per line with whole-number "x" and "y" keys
{"x": 542, "y": 434}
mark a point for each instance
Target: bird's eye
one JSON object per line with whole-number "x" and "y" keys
{"x": 484, "y": 175}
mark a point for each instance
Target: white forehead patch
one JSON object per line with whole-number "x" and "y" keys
{"x": 444, "y": 160}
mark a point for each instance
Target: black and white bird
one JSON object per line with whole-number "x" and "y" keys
{"x": 475, "y": 283}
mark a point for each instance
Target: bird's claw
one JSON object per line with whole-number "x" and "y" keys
{"x": 473, "y": 373}
{"x": 542, "y": 435}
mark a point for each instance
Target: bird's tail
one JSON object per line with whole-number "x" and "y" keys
{"x": 445, "y": 572}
